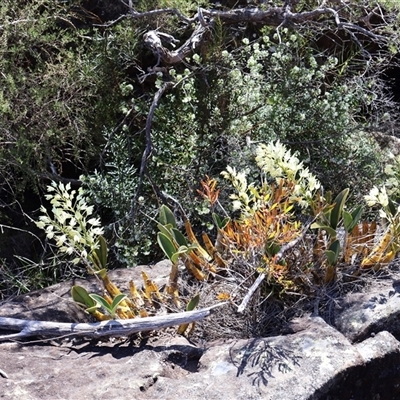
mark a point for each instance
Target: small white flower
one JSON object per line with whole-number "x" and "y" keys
{"x": 61, "y": 240}
{"x": 60, "y": 215}
{"x": 383, "y": 214}
{"x": 371, "y": 198}
{"x": 70, "y": 250}
{"x": 45, "y": 219}
{"x": 40, "y": 224}
{"x": 236, "y": 205}
{"x": 94, "y": 222}
{"x": 383, "y": 198}
{"x": 97, "y": 231}
{"x": 389, "y": 170}
{"x": 89, "y": 210}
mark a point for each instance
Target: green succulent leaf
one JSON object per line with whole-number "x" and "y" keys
{"x": 166, "y": 245}
{"x": 336, "y": 213}
{"x": 350, "y": 220}
{"x": 272, "y": 249}
{"x": 102, "y": 251}
{"x": 392, "y": 207}
{"x": 220, "y": 223}
{"x": 81, "y": 296}
{"x": 178, "y": 253}
{"x": 193, "y": 303}
{"x": 332, "y": 254}
{"x": 117, "y": 301}
{"x": 167, "y": 216}
{"x": 110, "y": 308}
{"x": 347, "y": 220}
{"x": 179, "y": 238}
{"x": 165, "y": 229}
{"x": 101, "y": 301}
{"x": 331, "y": 232}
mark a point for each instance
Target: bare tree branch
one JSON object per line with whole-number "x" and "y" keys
{"x": 152, "y": 13}
{"x": 275, "y": 16}
{"x": 115, "y": 328}
{"x": 149, "y": 145}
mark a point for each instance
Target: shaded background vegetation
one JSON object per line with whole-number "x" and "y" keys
{"x": 77, "y": 83}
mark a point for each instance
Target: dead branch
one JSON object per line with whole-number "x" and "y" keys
{"x": 204, "y": 18}
{"x": 275, "y": 16}
{"x": 115, "y": 328}
{"x": 149, "y": 145}
{"x": 152, "y": 39}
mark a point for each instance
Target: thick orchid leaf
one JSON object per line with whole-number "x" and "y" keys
{"x": 167, "y": 216}
{"x": 81, "y": 296}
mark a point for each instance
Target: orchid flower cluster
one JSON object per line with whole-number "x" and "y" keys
{"x": 383, "y": 195}
{"x": 245, "y": 197}
{"x": 277, "y": 162}
{"x": 72, "y": 226}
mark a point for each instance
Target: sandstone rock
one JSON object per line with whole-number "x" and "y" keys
{"x": 378, "y": 378}
{"x": 55, "y": 303}
{"x": 361, "y": 314}
{"x": 316, "y": 361}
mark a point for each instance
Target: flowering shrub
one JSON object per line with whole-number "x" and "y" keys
{"x": 388, "y": 245}
{"x": 78, "y": 234}
{"x": 268, "y": 90}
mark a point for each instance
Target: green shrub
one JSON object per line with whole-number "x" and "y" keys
{"x": 59, "y": 89}
{"x": 222, "y": 104}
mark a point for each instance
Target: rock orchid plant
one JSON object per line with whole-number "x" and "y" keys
{"x": 78, "y": 233}
{"x": 267, "y": 223}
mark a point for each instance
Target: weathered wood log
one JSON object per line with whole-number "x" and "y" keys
{"x": 116, "y": 328}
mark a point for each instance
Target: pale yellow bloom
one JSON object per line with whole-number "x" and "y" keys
{"x": 377, "y": 196}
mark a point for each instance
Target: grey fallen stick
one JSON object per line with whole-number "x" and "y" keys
{"x": 109, "y": 328}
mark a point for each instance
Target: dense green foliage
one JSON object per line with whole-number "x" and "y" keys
{"x": 77, "y": 86}
{"x": 58, "y": 90}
